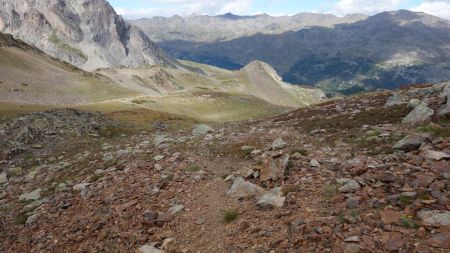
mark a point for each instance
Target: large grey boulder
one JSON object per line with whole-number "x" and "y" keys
{"x": 350, "y": 186}
{"x": 420, "y": 114}
{"x": 278, "y": 144}
{"x": 412, "y": 142}
{"x": 271, "y": 199}
{"x": 395, "y": 99}
{"x": 435, "y": 217}
{"x": 445, "y": 111}
{"x": 81, "y": 188}
{"x": 243, "y": 189}
{"x": 446, "y": 90}
{"x": 436, "y": 155}
{"x": 202, "y": 129}
{"x": 3, "y": 178}
{"x": 34, "y": 195}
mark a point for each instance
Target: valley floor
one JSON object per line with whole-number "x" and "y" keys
{"x": 329, "y": 178}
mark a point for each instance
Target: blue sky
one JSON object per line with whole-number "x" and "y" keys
{"x": 148, "y": 8}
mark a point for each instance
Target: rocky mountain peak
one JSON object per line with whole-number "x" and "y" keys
{"x": 86, "y": 33}
{"x": 261, "y": 67}
{"x": 404, "y": 17}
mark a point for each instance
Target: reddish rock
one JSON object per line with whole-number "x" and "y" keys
{"x": 421, "y": 233}
{"x": 441, "y": 240}
{"x": 273, "y": 169}
{"x": 394, "y": 244}
{"x": 423, "y": 181}
{"x": 390, "y": 216}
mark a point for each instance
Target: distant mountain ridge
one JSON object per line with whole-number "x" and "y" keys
{"x": 230, "y": 26}
{"x": 86, "y": 33}
{"x": 386, "y": 50}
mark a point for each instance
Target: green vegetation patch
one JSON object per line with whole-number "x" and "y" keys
{"x": 436, "y": 130}
{"x": 58, "y": 42}
{"x": 193, "y": 168}
{"x": 230, "y": 216}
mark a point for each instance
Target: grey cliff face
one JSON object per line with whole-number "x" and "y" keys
{"x": 86, "y": 33}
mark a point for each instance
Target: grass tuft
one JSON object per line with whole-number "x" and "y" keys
{"x": 21, "y": 219}
{"x": 230, "y": 216}
{"x": 301, "y": 151}
{"x": 193, "y": 168}
{"x": 443, "y": 132}
{"x": 330, "y": 190}
{"x": 291, "y": 188}
{"x": 405, "y": 200}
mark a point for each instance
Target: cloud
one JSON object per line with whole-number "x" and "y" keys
{"x": 440, "y": 8}
{"x": 370, "y": 7}
{"x": 187, "y": 7}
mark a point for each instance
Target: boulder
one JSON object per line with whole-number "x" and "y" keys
{"x": 202, "y": 129}
{"x": 176, "y": 209}
{"x": 414, "y": 102}
{"x": 350, "y": 186}
{"x": 149, "y": 249}
{"x": 445, "y": 111}
{"x": 3, "y": 178}
{"x": 394, "y": 100}
{"x": 169, "y": 244}
{"x": 441, "y": 240}
{"x": 274, "y": 169}
{"x": 278, "y": 144}
{"x": 243, "y": 189}
{"x": 314, "y": 163}
{"x": 420, "y": 114}
{"x": 435, "y": 217}
{"x": 161, "y": 139}
{"x": 412, "y": 142}
{"x": 446, "y": 90}
{"x": 271, "y": 199}
{"x": 81, "y": 187}
{"x": 390, "y": 216}
{"x": 34, "y": 195}
{"x": 436, "y": 155}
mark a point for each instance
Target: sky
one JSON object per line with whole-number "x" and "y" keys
{"x": 133, "y": 9}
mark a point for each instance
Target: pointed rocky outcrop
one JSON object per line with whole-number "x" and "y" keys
{"x": 267, "y": 84}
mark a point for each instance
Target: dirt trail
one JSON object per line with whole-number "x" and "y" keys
{"x": 202, "y": 228}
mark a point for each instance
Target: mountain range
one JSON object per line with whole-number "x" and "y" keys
{"x": 229, "y": 26}
{"x": 348, "y": 55}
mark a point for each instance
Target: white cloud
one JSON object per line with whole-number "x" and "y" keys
{"x": 370, "y": 7}
{"x": 187, "y": 7}
{"x": 440, "y": 8}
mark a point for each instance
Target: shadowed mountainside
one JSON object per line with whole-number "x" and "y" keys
{"x": 383, "y": 51}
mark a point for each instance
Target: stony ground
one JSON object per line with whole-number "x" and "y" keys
{"x": 364, "y": 174}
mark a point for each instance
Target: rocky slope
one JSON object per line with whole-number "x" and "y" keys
{"x": 29, "y": 76}
{"x": 386, "y": 50}
{"x": 230, "y": 26}
{"x": 350, "y": 175}
{"x": 87, "y": 33}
